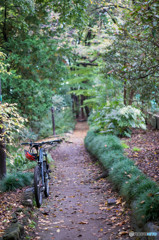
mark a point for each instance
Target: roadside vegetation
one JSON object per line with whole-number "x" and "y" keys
{"x": 138, "y": 190}
{"x": 91, "y": 60}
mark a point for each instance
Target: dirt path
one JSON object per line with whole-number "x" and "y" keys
{"x": 77, "y": 207}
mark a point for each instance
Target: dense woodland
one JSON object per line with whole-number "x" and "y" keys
{"x": 96, "y": 59}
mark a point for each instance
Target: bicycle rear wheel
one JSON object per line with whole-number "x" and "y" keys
{"x": 38, "y": 186}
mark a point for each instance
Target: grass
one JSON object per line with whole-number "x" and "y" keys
{"x": 138, "y": 190}
{"x": 16, "y": 180}
{"x": 122, "y": 172}
{"x": 146, "y": 205}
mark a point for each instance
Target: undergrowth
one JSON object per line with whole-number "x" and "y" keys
{"x": 138, "y": 190}
{"x": 16, "y": 180}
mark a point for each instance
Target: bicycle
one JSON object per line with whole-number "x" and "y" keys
{"x": 41, "y": 171}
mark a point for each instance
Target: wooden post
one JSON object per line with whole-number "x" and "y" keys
{"x": 53, "y": 121}
{"x": 3, "y": 169}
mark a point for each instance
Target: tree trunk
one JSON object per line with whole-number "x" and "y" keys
{"x": 53, "y": 121}
{"x": 3, "y": 169}
{"x": 131, "y": 96}
{"x": 125, "y": 93}
{"x": 82, "y": 108}
{"x": 86, "y": 109}
{"x": 77, "y": 106}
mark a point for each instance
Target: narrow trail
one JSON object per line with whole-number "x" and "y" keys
{"x": 77, "y": 207}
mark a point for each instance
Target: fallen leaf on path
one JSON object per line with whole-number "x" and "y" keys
{"x": 58, "y": 222}
{"x": 119, "y": 201}
{"x": 83, "y": 222}
{"x": 123, "y": 233}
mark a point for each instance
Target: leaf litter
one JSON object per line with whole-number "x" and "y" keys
{"x": 144, "y": 150}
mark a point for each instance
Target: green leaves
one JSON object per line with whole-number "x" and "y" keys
{"x": 11, "y": 121}
{"x": 118, "y": 121}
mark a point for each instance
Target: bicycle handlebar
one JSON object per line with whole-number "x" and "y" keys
{"x": 42, "y": 143}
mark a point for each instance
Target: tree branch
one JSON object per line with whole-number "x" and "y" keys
{"x": 112, "y": 5}
{"x": 87, "y": 64}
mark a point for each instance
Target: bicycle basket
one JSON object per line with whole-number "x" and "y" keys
{"x": 30, "y": 156}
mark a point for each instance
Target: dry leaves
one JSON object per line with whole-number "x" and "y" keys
{"x": 147, "y": 159}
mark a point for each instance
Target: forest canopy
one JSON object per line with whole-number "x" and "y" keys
{"x": 97, "y": 56}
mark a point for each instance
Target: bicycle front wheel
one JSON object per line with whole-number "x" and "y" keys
{"x": 38, "y": 186}
{"x": 46, "y": 181}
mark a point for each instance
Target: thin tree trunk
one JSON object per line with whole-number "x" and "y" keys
{"x": 125, "y": 93}
{"x": 82, "y": 108}
{"x": 77, "y": 106}
{"x": 131, "y": 96}
{"x": 53, "y": 121}
{"x": 86, "y": 109}
{"x": 3, "y": 169}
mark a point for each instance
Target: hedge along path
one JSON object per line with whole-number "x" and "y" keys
{"x": 77, "y": 207}
{"x": 139, "y": 190}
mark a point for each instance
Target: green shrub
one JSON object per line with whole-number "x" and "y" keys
{"x": 99, "y": 144}
{"x": 146, "y": 206}
{"x": 118, "y": 121}
{"x": 27, "y": 133}
{"x": 15, "y": 180}
{"x": 123, "y": 171}
{"x": 19, "y": 163}
{"x": 26, "y": 177}
{"x": 64, "y": 121}
{"x": 111, "y": 157}
{"x": 130, "y": 186}
{"x": 137, "y": 188}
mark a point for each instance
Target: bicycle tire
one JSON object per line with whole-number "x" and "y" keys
{"x": 38, "y": 191}
{"x": 46, "y": 181}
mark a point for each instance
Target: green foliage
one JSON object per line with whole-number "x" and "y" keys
{"x": 33, "y": 64}
{"x": 18, "y": 162}
{"x": 16, "y": 180}
{"x": 140, "y": 191}
{"x": 102, "y": 144}
{"x": 124, "y": 145}
{"x": 113, "y": 156}
{"x": 71, "y": 13}
{"x": 26, "y": 134}
{"x": 132, "y": 55}
{"x": 130, "y": 186}
{"x": 118, "y": 121}
{"x": 146, "y": 206}
{"x": 136, "y": 149}
{"x": 123, "y": 171}
{"x": 11, "y": 121}
{"x": 32, "y": 224}
{"x": 64, "y": 121}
